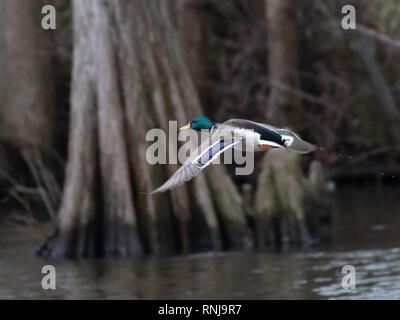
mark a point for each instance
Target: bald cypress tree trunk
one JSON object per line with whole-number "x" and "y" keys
{"x": 129, "y": 76}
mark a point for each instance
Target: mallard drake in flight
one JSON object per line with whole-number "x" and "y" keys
{"x": 232, "y": 133}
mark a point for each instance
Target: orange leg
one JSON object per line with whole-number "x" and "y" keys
{"x": 265, "y": 146}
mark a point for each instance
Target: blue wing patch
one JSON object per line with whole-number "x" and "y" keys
{"x": 207, "y": 156}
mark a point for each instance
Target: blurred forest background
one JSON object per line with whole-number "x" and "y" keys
{"x": 76, "y": 104}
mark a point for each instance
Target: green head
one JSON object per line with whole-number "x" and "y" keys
{"x": 199, "y": 123}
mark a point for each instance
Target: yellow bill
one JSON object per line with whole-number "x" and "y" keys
{"x": 185, "y": 127}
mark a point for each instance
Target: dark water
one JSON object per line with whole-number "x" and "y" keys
{"x": 366, "y": 235}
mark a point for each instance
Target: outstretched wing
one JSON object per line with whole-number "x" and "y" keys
{"x": 206, "y": 154}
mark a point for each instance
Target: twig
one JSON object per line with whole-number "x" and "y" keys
{"x": 31, "y": 220}
{"x": 308, "y": 97}
{"x": 20, "y": 188}
{"x": 43, "y": 193}
{"x": 379, "y": 36}
{"x": 371, "y": 153}
{"x": 364, "y": 156}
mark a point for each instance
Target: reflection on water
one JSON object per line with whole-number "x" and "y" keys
{"x": 366, "y": 224}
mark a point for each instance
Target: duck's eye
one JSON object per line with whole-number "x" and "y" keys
{"x": 194, "y": 121}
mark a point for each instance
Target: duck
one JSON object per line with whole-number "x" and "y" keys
{"x": 240, "y": 134}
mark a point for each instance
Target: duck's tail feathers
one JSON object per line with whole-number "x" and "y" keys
{"x": 295, "y": 143}
{"x": 303, "y": 147}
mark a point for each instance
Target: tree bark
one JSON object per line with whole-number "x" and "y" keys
{"x": 27, "y": 94}
{"x": 282, "y": 60}
{"x": 191, "y": 22}
{"x": 364, "y": 47}
{"x": 97, "y": 157}
{"x": 290, "y": 207}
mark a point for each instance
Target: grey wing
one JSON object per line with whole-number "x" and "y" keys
{"x": 195, "y": 164}
{"x": 186, "y": 172}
